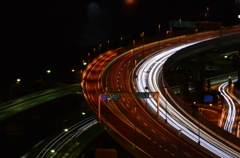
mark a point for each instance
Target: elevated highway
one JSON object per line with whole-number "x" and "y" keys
{"x": 130, "y": 123}
{"x": 13, "y": 107}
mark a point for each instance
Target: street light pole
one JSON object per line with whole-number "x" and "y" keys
{"x": 143, "y": 44}
{"x": 48, "y": 71}
{"x": 121, "y": 41}
{"x": 89, "y": 58}
{"x": 159, "y": 34}
{"x": 100, "y": 45}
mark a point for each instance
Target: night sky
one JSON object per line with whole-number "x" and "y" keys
{"x": 38, "y": 32}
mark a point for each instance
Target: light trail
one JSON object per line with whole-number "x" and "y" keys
{"x": 231, "y": 118}
{"x": 59, "y": 141}
{"x": 149, "y": 74}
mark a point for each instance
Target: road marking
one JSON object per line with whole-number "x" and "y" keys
{"x": 153, "y": 131}
{"x": 132, "y": 111}
{"x": 145, "y": 124}
{"x": 3, "y": 115}
{"x": 166, "y": 150}
{"x": 172, "y": 154}
{"x": 174, "y": 146}
{"x": 18, "y": 109}
{"x": 187, "y": 154}
{"x": 160, "y": 146}
{"x": 163, "y": 138}
{"x": 34, "y": 103}
{"x": 138, "y": 117}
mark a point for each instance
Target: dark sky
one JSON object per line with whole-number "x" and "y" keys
{"x": 43, "y": 28}
{"x": 58, "y": 25}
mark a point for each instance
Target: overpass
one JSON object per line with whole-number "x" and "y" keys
{"x": 110, "y": 74}
{"x": 62, "y": 93}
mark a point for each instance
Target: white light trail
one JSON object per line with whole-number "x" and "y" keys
{"x": 149, "y": 74}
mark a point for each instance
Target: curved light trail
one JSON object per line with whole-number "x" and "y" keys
{"x": 149, "y": 74}
{"x": 229, "y": 117}
{"x": 63, "y": 138}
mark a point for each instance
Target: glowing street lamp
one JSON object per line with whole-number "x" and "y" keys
{"x": 94, "y": 49}
{"x": 108, "y": 44}
{"x": 121, "y": 41}
{"x": 18, "y": 80}
{"x": 100, "y": 45}
{"x": 159, "y": 33}
{"x": 65, "y": 130}
{"x": 48, "y": 72}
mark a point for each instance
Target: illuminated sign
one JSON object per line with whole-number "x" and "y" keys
{"x": 142, "y": 95}
{"x": 208, "y": 98}
{"x": 110, "y": 96}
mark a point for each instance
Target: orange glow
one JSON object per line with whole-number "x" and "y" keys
{"x": 130, "y": 1}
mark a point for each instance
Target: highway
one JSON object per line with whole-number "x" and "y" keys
{"x": 18, "y": 105}
{"x": 70, "y": 142}
{"x": 101, "y": 77}
{"x": 150, "y": 72}
{"x": 230, "y": 117}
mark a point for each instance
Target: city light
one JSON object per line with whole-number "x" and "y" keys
{"x": 129, "y": 1}
{"x": 65, "y": 130}
{"x": 239, "y": 16}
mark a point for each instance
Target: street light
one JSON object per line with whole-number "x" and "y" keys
{"x": 84, "y": 64}
{"x": 121, "y": 41}
{"x": 18, "y": 80}
{"x": 89, "y": 58}
{"x": 180, "y": 24}
{"x": 142, "y": 35}
{"x": 159, "y": 33}
{"x": 167, "y": 32}
{"x": 48, "y": 72}
{"x": 65, "y": 130}
{"x": 100, "y": 45}
{"x": 94, "y": 49}
{"x": 108, "y": 44}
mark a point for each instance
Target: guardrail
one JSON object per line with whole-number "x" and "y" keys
{"x": 35, "y": 95}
